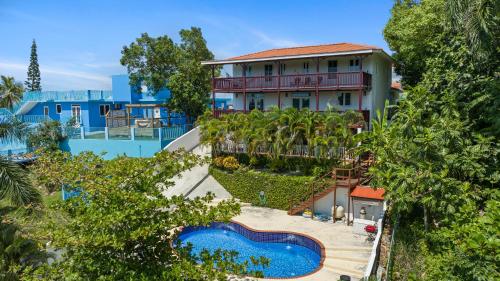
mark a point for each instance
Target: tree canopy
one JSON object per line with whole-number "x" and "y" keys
{"x": 11, "y": 92}
{"x": 122, "y": 227}
{"x": 159, "y": 63}
{"x": 438, "y": 156}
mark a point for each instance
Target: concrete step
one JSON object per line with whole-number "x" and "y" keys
{"x": 357, "y": 259}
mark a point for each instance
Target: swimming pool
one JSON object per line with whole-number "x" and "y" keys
{"x": 290, "y": 254}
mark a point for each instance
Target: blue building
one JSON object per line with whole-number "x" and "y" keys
{"x": 122, "y": 121}
{"x": 89, "y": 108}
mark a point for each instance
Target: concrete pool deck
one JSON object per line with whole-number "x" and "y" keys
{"x": 345, "y": 252}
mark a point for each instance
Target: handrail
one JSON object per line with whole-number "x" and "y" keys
{"x": 312, "y": 193}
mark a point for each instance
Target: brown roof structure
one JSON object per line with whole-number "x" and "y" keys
{"x": 368, "y": 192}
{"x": 304, "y": 51}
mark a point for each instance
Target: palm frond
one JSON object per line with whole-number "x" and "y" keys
{"x": 15, "y": 185}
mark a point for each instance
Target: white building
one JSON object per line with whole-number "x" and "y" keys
{"x": 344, "y": 76}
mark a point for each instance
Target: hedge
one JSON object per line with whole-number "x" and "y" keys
{"x": 247, "y": 184}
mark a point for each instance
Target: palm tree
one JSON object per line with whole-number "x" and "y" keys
{"x": 11, "y": 92}
{"x": 14, "y": 183}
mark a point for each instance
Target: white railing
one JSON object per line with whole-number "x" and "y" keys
{"x": 375, "y": 254}
{"x": 296, "y": 150}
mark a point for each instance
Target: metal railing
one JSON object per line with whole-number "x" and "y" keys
{"x": 127, "y": 133}
{"x": 84, "y": 95}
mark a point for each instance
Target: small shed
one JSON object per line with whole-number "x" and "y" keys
{"x": 370, "y": 200}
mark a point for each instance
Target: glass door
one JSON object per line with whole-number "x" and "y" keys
{"x": 76, "y": 113}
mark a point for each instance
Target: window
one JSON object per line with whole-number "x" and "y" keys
{"x": 249, "y": 71}
{"x": 345, "y": 99}
{"x": 46, "y": 110}
{"x": 282, "y": 69}
{"x": 76, "y": 112}
{"x": 354, "y": 65}
{"x": 300, "y": 103}
{"x": 306, "y": 67}
{"x": 103, "y": 109}
{"x": 332, "y": 66}
{"x": 268, "y": 72}
{"x": 117, "y": 106}
{"x": 58, "y": 108}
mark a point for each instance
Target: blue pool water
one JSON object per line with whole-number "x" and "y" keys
{"x": 285, "y": 259}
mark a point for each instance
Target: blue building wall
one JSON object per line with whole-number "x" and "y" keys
{"x": 89, "y": 111}
{"x": 114, "y": 148}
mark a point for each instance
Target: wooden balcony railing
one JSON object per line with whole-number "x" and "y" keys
{"x": 324, "y": 81}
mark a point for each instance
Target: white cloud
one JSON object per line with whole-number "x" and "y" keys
{"x": 58, "y": 78}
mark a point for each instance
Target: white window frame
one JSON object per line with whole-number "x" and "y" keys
{"x": 58, "y": 106}
{"x": 46, "y": 111}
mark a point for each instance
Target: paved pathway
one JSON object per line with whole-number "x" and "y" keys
{"x": 346, "y": 253}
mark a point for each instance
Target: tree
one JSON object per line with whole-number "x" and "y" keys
{"x": 122, "y": 227}
{"x": 159, "y": 63}
{"x": 11, "y": 92}
{"x": 33, "y": 81}
{"x": 47, "y": 136}
{"x": 437, "y": 157}
{"x": 150, "y": 61}
{"x": 190, "y": 85}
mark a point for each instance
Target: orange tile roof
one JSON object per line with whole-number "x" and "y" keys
{"x": 368, "y": 192}
{"x": 307, "y": 50}
{"x": 396, "y": 85}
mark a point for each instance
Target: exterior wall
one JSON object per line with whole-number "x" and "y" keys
{"x": 90, "y": 113}
{"x": 324, "y": 205}
{"x": 374, "y": 208}
{"x": 297, "y": 66}
{"x": 326, "y": 99}
{"x": 121, "y": 88}
{"x": 374, "y": 99}
{"x": 113, "y": 148}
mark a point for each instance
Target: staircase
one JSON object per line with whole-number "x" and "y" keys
{"x": 342, "y": 177}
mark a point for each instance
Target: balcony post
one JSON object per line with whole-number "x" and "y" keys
{"x": 360, "y": 97}
{"x": 244, "y": 66}
{"x": 279, "y": 85}
{"x": 213, "y": 89}
{"x": 317, "y": 84}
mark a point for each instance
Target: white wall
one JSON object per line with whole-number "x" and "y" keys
{"x": 326, "y": 99}
{"x": 374, "y": 99}
{"x": 325, "y": 204}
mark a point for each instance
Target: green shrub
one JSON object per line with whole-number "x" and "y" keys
{"x": 230, "y": 163}
{"x": 279, "y": 189}
{"x": 218, "y": 161}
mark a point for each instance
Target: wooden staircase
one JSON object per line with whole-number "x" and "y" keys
{"x": 343, "y": 177}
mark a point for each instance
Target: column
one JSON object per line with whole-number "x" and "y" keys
{"x": 213, "y": 89}
{"x": 279, "y": 84}
{"x": 317, "y": 84}
{"x": 244, "y": 88}
{"x": 360, "y": 97}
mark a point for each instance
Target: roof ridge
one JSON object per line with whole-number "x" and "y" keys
{"x": 308, "y": 46}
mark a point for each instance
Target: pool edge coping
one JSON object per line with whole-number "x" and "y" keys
{"x": 322, "y": 247}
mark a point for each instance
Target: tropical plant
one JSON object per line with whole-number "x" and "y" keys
{"x": 122, "y": 226}
{"x": 278, "y": 133}
{"x": 11, "y": 92}
{"x": 47, "y": 135}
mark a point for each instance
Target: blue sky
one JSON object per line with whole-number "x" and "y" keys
{"x": 79, "y": 42}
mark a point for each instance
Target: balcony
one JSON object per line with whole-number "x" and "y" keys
{"x": 322, "y": 81}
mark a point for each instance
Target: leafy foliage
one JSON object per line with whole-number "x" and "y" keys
{"x": 279, "y": 189}
{"x": 281, "y": 132}
{"x": 11, "y": 92}
{"x": 122, "y": 227}
{"x": 46, "y": 136}
{"x": 32, "y": 83}
{"x": 438, "y": 156}
{"x": 159, "y": 63}
{"x": 14, "y": 184}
